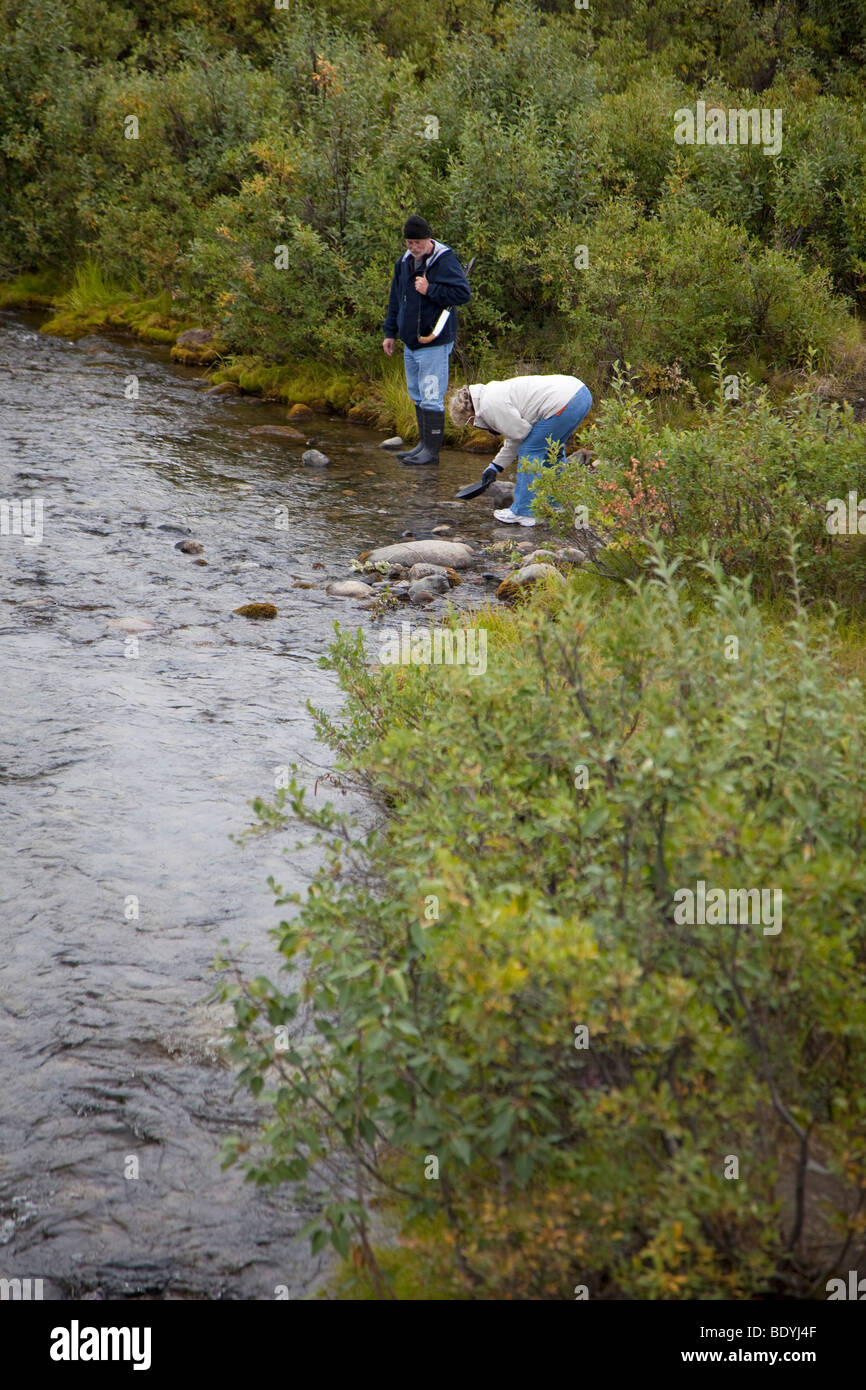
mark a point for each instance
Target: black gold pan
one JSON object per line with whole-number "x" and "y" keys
{"x": 473, "y": 490}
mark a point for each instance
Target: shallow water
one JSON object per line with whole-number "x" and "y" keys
{"x": 126, "y": 763}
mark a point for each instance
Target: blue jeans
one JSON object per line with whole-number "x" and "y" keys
{"x": 427, "y": 374}
{"x": 535, "y": 447}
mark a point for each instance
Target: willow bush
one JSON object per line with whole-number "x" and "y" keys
{"x": 741, "y": 477}
{"x": 522, "y": 132}
{"x": 494, "y": 1028}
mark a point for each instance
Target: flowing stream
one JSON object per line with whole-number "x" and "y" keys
{"x": 127, "y": 760}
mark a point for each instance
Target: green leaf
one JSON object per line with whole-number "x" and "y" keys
{"x": 523, "y": 1168}
{"x": 341, "y": 1241}
{"x": 594, "y": 821}
{"x": 462, "y": 1149}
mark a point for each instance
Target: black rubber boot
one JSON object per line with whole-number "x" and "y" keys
{"x": 410, "y": 453}
{"x": 432, "y": 429}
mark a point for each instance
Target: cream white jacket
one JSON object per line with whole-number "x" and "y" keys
{"x": 512, "y": 407}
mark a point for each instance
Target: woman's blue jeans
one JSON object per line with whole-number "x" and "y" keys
{"x": 536, "y": 447}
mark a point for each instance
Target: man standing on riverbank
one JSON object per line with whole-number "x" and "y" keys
{"x": 428, "y": 284}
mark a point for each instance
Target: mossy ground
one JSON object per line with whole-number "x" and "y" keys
{"x": 36, "y": 290}
{"x": 89, "y": 303}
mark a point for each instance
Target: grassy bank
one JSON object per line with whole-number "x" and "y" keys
{"x": 90, "y": 303}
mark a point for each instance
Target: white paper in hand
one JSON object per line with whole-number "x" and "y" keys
{"x": 440, "y": 323}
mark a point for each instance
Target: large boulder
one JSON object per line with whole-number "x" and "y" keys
{"x": 197, "y": 347}
{"x": 450, "y": 554}
{"x": 525, "y": 577}
{"x": 501, "y": 492}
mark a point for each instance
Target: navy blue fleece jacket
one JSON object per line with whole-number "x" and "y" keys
{"x": 412, "y": 315}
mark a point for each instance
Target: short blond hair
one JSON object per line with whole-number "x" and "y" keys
{"x": 461, "y": 407}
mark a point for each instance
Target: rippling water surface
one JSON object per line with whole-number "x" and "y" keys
{"x": 125, "y": 765}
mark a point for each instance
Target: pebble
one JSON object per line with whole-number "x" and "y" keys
{"x": 257, "y": 610}
{"x": 278, "y": 431}
{"x": 441, "y": 530}
{"x": 314, "y": 458}
{"x": 395, "y": 442}
{"x": 190, "y": 547}
{"x": 432, "y": 583}
{"x": 131, "y": 624}
{"x": 419, "y": 593}
{"x": 421, "y": 570}
{"x": 350, "y": 588}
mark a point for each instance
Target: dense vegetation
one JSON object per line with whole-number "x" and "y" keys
{"x": 523, "y": 132}
{"x": 542, "y": 818}
{"x": 503, "y": 1065}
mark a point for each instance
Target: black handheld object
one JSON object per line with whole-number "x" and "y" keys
{"x": 473, "y": 490}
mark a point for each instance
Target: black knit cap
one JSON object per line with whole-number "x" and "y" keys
{"x": 416, "y": 227}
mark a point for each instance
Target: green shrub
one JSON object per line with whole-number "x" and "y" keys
{"x": 740, "y": 478}
{"x": 511, "y": 131}
{"x": 544, "y": 817}
{"x": 810, "y": 198}
{"x": 670, "y": 288}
